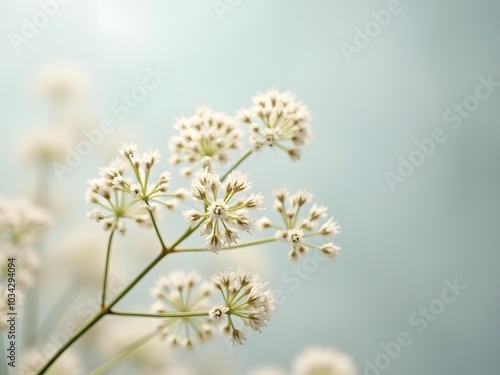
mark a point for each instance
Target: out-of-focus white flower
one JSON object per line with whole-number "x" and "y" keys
{"x": 183, "y": 293}
{"x": 298, "y": 231}
{"x": 323, "y": 361}
{"x": 21, "y": 222}
{"x": 46, "y": 144}
{"x": 268, "y": 370}
{"x": 119, "y": 196}
{"x": 246, "y": 299}
{"x": 62, "y": 80}
{"x": 222, "y": 219}
{"x": 204, "y": 138}
{"x": 32, "y": 361}
{"x": 277, "y": 119}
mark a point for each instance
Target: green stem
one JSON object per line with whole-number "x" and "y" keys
{"x": 75, "y": 337}
{"x": 237, "y": 246}
{"x": 106, "y": 270}
{"x": 238, "y": 162}
{"x": 107, "y": 310}
{"x": 179, "y": 314}
{"x": 122, "y": 355}
{"x": 156, "y": 229}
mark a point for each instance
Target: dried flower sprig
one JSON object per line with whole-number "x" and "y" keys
{"x": 126, "y": 190}
{"x": 297, "y": 230}
{"x": 222, "y": 218}
{"x": 282, "y": 122}
{"x": 186, "y": 295}
{"x": 120, "y": 196}
{"x": 205, "y": 138}
{"x": 245, "y": 298}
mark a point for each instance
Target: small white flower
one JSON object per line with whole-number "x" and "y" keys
{"x": 120, "y": 197}
{"x": 223, "y": 215}
{"x": 298, "y": 231}
{"x": 218, "y": 313}
{"x": 282, "y": 122}
{"x": 183, "y": 293}
{"x": 246, "y": 299}
{"x": 204, "y": 139}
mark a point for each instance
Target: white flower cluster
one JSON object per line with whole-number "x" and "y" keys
{"x": 204, "y": 138}
{"x": 120, "y": 197}
{"x": 297, "y": 231}
{"x": 21, "y": 222}
{"x": 221, "y": 217}
{"x": 245, "y": 298}
{"x": 21, "y": 226}
{"x": 186, "y": 315}
{"x": 183, "y": 293}
{"x": 282, "y": 122}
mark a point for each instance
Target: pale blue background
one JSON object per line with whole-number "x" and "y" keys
{"x": 398, "y": 248}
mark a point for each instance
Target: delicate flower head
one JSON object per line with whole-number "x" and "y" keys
{"x": 46, "y": 144}
{"x": 245, "y": 299}
{"x": 62, "y": 80}
{"x": 277, "y": 119}
{"x": 204, "y": 138}
{"x": 119, "y": 196}
{"x": 218, "y": 313}
{"x": 183, "y": 293}
{"x": 21, "y": 222}
{"x": 32, "y": 361}
{"x": 323, "y": 361}
{"x": 223, "y": 216}
{"x": 298, "y": 231}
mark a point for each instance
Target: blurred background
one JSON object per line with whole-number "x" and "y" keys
{"x": 372, "y": 96}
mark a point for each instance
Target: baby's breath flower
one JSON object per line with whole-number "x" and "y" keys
{"x": 276, "y": 119}
{"x": 21, "y": 222}
{"x": 204, "y": 138}
{"x": 218, "y": 313}
{"x": 327, "y": 361}
{"x": 222, "y": 218}
{"x": 298, "y": 231}
{"x": 119, "y": 196}
{"x": 183, "y": 293}
{"x": 245, "y": 299}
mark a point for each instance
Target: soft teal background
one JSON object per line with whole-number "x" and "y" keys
{"x": 398, "y": 247}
